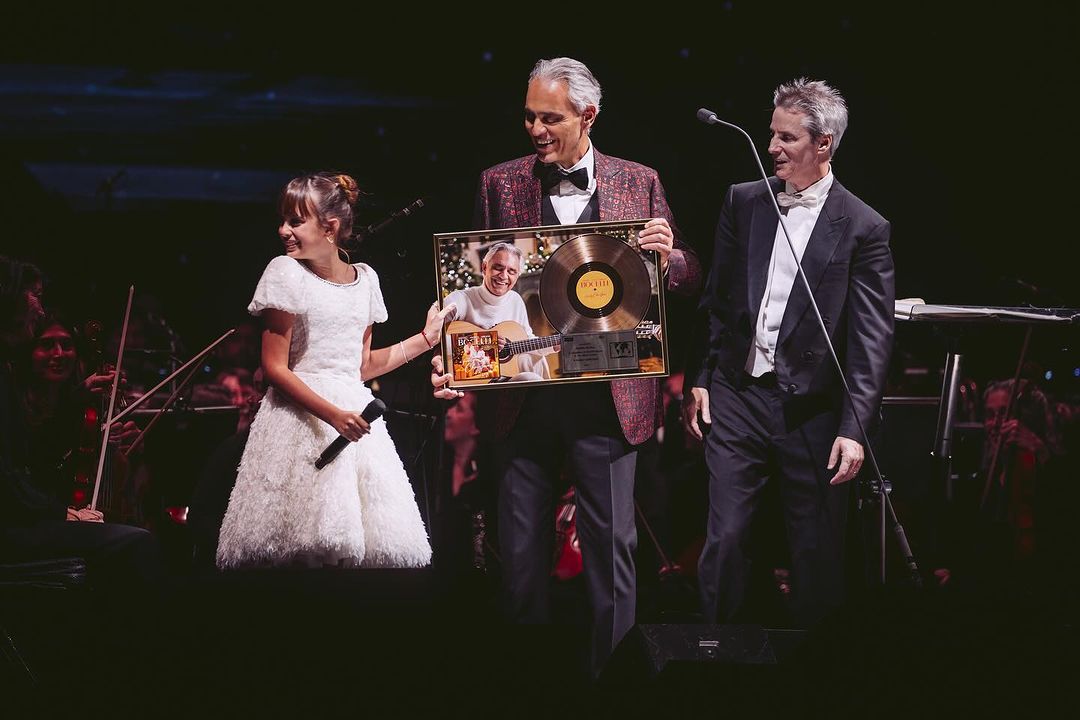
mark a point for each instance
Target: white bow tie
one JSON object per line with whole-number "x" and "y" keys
{"x": 805, "y": 199}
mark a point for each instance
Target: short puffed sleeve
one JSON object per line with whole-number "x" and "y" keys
{"x": 378, "y": 306}
{"x": 281, "y": 287}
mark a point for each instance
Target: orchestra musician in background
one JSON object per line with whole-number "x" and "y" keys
{"x": 39, "y": 383}
{"x": 1022, "y": 442}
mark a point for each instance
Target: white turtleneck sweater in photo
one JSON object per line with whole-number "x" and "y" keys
{"x": 481, "y": 307}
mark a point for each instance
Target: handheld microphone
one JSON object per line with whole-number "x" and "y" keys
{"x": 1033, "y": 291}
{"x": 372, "y": 412}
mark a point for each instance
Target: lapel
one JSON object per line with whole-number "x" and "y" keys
{"x": 606, "y": 173}
{"x": 830, "y": 227}
{"x": 763, "y": 227}
{"x": 525, "y": 189}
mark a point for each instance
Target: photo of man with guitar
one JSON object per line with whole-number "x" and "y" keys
{"x": 494, "y": 305}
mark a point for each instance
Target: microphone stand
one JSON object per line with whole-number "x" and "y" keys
{"x": 878, "y": 486}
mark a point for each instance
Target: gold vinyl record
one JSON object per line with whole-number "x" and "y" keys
{"x": 594, "y": 283}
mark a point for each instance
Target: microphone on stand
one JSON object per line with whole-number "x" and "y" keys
{"x": 376, "y": 228}
{"x": 404, "y": 212}
{"x": 709, "y": 118}
{"x": 372, "y": 412}
{"x": 1044, "y": 295}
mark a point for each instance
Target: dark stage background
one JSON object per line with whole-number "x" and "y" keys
{"x": 148, "y": 148}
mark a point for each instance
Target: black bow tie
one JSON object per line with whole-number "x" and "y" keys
{"x": 551, "y": 175}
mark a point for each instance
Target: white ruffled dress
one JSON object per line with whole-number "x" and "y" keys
{"x": 360, "y": 509}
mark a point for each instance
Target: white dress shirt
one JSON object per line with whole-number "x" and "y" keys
{"x": 567, "y": 198}
{"x": 800, "y": 223}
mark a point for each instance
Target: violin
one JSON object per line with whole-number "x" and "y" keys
{"x": 568, "y": 561}
{"x": 1011, "y": 477}
{"x": 1020, "y": 468}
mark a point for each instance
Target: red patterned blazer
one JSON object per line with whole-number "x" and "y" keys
{"x": 509, "y": 196}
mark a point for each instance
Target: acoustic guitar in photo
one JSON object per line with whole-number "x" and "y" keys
{"x": 479, "y": 354}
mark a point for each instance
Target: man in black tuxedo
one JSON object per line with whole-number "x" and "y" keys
{"x": 766, "y": 387}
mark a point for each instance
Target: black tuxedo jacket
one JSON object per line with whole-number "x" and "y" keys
{"x": 850, "y": 268}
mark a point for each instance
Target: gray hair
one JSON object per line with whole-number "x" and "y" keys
{"x": 582, "y": 87}
{"x": 823, "y": 106}
{"x": 508, "y": 247}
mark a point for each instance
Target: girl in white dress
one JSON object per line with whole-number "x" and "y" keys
{"x": 318, "y": 311}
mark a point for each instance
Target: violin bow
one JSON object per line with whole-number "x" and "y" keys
{"x": 112, "y": 401}
{"x": 149, "y": 393}
{"x": 175, "y": 393}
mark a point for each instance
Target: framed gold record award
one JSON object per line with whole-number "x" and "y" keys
{"x": 552, "y": 304}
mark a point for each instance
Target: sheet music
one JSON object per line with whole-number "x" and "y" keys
{"x": 918, "y": 309}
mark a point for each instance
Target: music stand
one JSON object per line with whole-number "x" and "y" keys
{"x": 953, "y": 322}
{"x": 953, "y": 319}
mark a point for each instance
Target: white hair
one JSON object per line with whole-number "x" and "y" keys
{"x": 823, "y": 106}
{"x": 582, "y": 88}
{"x": 508, "y": 247}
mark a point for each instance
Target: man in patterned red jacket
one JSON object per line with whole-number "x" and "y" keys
{"x": 596, "y": 426}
